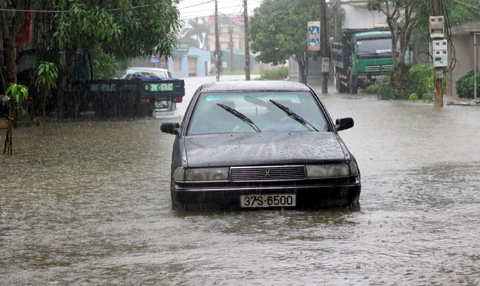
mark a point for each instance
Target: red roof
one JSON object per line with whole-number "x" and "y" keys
{"x": 223, "y": 19}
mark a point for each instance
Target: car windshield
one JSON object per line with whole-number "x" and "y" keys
{"x": 144, "y": 73}
{"x": 374, "y": 47}
{"x": 256, "y": 112}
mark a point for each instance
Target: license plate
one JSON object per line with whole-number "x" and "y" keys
{"x": 267, "y": 201}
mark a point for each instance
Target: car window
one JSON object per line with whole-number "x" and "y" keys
{"x": 139, "y": 73}
{"x": 209, "y": 117}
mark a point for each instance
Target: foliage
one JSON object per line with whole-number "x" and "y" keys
{"x": 274, "y": 74}
{"x": 417, "y": 80}
{"x": 123, "y": 30}
{"x": 197, "y": 30}
{"x": 279, "y": 27}
{"x": 20, "y": 93}
{"x": 17, "y": 91}
{"x": 466, "y": 85}
{"x": 104, "y": 65}
{"x": 462, "y": 13}
{"x": 11, "y": 21}
{"x": 382, "y": 87}
{"x": 47, "y": 73}
{"x": 413, "y": 97}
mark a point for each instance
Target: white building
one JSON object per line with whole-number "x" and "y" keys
{"x": 357, "y": 15}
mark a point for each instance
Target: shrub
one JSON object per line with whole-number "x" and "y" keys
{"x": 383, "y": 87}
{"x": 466, "y": 84}
{"x": 275, "y": 74}
{"x": 417, "y": 80}
{"x": 413, "y": 97}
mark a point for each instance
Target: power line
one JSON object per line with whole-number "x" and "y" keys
{"x": 67, "y": 11}
{"x": 198, "y": 4}
{"x": 468, "y": 5}
{"x": 206, "y": 10}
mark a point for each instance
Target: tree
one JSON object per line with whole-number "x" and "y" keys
{"x": 462, "y": 13}
{"x": 11, "y": 21}
{"x": 278, "y": 31}
{"x": 47, "y": 73}
{"x": 16, "y": 93}
{"x": 125, "y": 29}
{"x": 197, "y": 30}
{"x": 402, "y": 18}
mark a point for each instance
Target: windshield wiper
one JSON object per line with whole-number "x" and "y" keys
{"x": 240, "y": 116}
{"x": 293, "y": 115}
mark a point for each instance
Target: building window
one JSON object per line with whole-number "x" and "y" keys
{"x": 177, "y": 64}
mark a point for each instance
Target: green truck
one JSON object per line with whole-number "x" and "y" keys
{"x": 106, "y": 98}
{"x": 361, "y": 54}
{"x": 124, "y": 97}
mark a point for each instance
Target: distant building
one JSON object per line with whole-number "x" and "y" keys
{"x": 189, "y": 62}
{"x": 357, "y": 15}
{"x": 154, "y": 62}
{"x": 227, "y": 24}
{"x": 462, "y": 40}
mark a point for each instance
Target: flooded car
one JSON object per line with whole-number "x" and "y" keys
{"x": 260, "y": 145}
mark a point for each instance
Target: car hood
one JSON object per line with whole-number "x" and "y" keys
{"x": 263, "y": 148}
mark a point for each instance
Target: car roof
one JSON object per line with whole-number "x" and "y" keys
{"x": 146, "y": 68}
{"x": 254, "y": 85}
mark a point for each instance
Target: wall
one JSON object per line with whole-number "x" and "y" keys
{"x": 462, "y": 40}
{"x": 201, "y": 57}
{"x": 138, "y": 62}
{"x": 358, "y": 17}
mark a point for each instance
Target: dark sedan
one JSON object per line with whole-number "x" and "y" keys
{"x": 260, "y": 144}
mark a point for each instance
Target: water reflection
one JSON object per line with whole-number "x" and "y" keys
{"x": 89, "y": 203}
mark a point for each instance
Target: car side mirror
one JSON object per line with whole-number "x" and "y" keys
{"x": 170, "y": 127}
{"x": 344, "y": 123}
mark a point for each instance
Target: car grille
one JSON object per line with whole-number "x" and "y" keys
{"x": 378, "y": 68}
{"x": 267, "y": 173}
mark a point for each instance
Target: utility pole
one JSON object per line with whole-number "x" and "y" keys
{"x": 230, "y": 31}
{"x": 247, "y": 49}
{"x": 323, "y": 43}
{"x": 218, "y": 52}
{"x": 438, "y": 10}
{"x": 336, "y": 7}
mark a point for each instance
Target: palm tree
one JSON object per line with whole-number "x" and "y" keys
{"x": 198, "y": 31}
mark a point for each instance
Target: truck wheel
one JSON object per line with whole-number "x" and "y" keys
{"x": 337, "y": 83}
{"x": 340, "y": 86}
{"x": 352, "y": 84}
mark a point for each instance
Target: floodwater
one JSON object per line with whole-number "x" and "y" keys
{"x": 89, "y": 204}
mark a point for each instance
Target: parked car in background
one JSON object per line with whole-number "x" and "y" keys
{"x": 260, "y": 144}
{"x": 145, "y": 72}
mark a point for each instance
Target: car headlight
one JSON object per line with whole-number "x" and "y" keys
{"x": 330, "y": 171}
{"x": 201, "y": 174}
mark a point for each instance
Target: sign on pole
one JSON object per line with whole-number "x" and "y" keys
{"x": 313, "y": 32}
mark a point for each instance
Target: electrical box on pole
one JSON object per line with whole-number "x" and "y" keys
{"x": 325, "y": 65}
{"x": 437, "y": 27}
{"x": 440, "y": 53}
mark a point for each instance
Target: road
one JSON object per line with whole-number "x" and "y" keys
{"x": 89, "y": 204}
